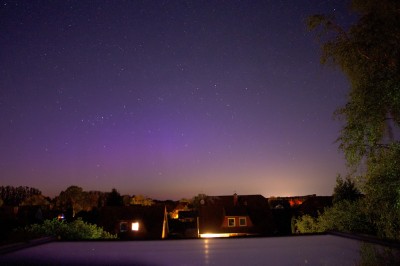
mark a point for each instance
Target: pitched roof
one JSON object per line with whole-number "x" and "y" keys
{"x": 235, "y": 211}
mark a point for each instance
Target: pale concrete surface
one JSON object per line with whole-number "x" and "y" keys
{"x": 297, "y": 250}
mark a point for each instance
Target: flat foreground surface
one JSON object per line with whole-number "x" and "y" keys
{"x": 298, "y": 250}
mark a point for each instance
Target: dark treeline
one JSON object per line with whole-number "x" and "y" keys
{"x": 14, "y": 196}
{"x": 70, "y": 201}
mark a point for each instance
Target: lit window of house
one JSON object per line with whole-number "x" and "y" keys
{"x": 231, "y": 222}
{"x": 242, "y": 221}
{"x": 123, "y": 227}
{"x": 135, "y": 226}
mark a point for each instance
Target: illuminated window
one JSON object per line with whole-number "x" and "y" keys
{"x": 123, "y": 227}
{"x": 242, "y": 221}
{"x": 135, "y": 226}
{"x": 231, "y": 222}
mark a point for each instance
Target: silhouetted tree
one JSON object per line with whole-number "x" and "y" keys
{"x": 71, "y": 200}
{"x": 345, "y": 190}
{"x": 114, "y": 198}
{"x": 13, "y": 196}
{"x": 126, "y": 200}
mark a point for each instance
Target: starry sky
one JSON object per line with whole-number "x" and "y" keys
{"x": 168, "y": 99}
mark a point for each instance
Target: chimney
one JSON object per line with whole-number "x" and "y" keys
{"x": 235, "y": 199}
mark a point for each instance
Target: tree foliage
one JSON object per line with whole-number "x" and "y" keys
{"x": 348, "y": 213}
{"x": 383, "y": 191}
{"x": 35, "y": 200}
{"x": 307, "y": 224}
{"x": 344, "y": 216}
{"x": 76, "y": 230}
{"x": 345, "y": 190}
{"x": 74, "y": 199}
{"x": 71, "y": 200}
{"x": 371, "y": 255}
{"x": 369, "y": 54}
{"x": 141, "y": 200}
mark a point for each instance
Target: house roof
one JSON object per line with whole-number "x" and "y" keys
{"x": 236, "y": 211}
{"x": 212, "y": 213}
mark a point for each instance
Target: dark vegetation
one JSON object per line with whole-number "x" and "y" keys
{"x": 14, "y": 196}
{"x": 368, "y": 53}
{"x": 75, "y": 230}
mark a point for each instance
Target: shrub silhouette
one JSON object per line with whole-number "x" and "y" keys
{"x": 76, "y": 230}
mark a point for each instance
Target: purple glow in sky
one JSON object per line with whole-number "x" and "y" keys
{"x": 168, "y": 98}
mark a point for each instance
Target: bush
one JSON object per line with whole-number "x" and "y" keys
{"x": 307, "y": 224}
{"x": 344, "y": 216}
{"x": 76, "y": 230}
{"x": 372, "y": 255}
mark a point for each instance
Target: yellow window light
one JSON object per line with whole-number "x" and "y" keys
{"x": 135, "y": 226}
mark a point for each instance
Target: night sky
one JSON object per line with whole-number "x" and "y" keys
{"x": 168, "y": 99}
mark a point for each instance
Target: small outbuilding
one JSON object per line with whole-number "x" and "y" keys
{"x": 135, "y": 222}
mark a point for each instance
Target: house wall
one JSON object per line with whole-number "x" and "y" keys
{"x": 129, "y": 233}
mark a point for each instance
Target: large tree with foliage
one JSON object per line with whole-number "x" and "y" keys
{"x": 71, "y": 200}
{"x": 368, "y": 53}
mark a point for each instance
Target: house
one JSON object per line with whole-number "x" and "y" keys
{"x": 230, "y": 216}
{"x": 184, "y": 226}
{"x": 135, "y": 222}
